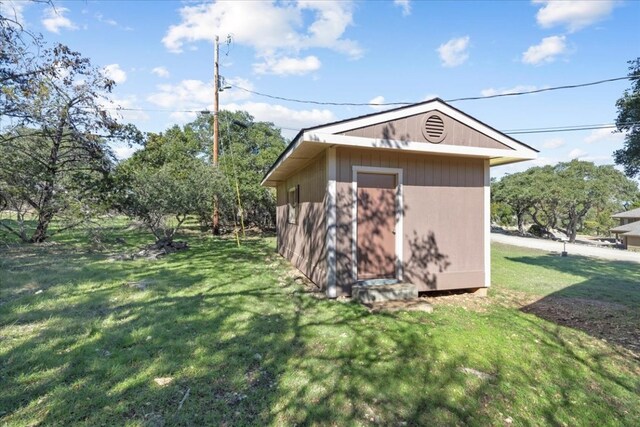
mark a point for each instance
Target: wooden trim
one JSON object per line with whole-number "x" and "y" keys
{"x": 423, "y": 108}
{"x": 487, "y": 224}
{"x": 519, "y": 152}
{"x": 284, "y": 156}
{"x": 331, "y": 221}
{"x": 399, "y": 217}
{"x": 416, "y": 146}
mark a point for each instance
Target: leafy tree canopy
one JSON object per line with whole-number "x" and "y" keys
{"x": 561, "y": 196}
{"x": 628, "y": 121}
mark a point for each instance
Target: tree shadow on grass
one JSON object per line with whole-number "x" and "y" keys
{"x": 606, "y": 304}
{"x": 214, "y": 339}
{"x": 220, "y": 323}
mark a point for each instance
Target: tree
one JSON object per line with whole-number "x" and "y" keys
{"x": 561, "y": 196}
{"x": 545, "y": 190}
{"x": 43, "y": 178}
{"x": 514, "y": 190}
{"x": 628, "y": 121}
{"x": 248, "y": 149}
{"x": 55, "y": 152}
{"x": 584, "y": 185}
{"x": 25, "y": 62}
{"x": 166, "y": 182}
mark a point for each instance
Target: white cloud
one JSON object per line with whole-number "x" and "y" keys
{"x": 546, "y": 51}
{"x": 405, "y": 5}
{"x": 574, "y": 14}
{"x": 283, "y": 116}
{"x": 377, "y": 100}
{"x": 12, "y": 10}
{"x": 454, "y": 52}
{"x": 604, "y": 135}
{"x": 188, "y": 94}
{"x": 234, "y": 94}
{"x": 100, "y": 17}
{"x": 125, "y": 109}
{"x": 123, "y": 151}
{"x": 577, "y": 153}
{"x": 599, "y": 160}
{"x": 504, "y": 91}
{"x": 288, "y": 66}
{"x": 196, "y": 95}
{"x": 553, "y": 143}
{"x": 161, "y": 72}
{"x": 115, "y": 73}
{"x": 500, "y": 171}
{"x": 112, "y": 22}
{"x": 54, "y": 20}
{"x": 273, "y": 29}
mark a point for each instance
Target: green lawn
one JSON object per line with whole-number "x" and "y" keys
{"x": 220, "y": 335}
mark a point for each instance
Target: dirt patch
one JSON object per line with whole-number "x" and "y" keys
{"x": 390, "y": 306}
{"x": 153, "y": 251}
{"x": 611, "y": 322}
{"x": 464, "y": 300}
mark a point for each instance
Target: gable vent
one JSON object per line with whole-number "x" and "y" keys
{"x": 433, "y": 129}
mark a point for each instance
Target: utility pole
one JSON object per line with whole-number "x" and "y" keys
{"x": 214, "y": 162}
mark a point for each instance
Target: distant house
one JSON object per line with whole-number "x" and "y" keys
{"x": 629, "y": 229}
{"x": 396, "y": 196}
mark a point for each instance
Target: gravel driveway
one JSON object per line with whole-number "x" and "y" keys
{"x": 572, "y": 248}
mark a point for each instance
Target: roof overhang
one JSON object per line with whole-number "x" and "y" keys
{"x": 632, "y": 214}
{"x": 311, "y": 142}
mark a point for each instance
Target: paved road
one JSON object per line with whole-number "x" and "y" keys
{"x": 572, "y": 249}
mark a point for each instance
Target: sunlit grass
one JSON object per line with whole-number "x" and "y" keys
{"x": 229, "y": 326}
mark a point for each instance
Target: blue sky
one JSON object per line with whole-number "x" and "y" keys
{"x": 161, "y": 55}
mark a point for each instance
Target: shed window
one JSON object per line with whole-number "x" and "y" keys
{"x": 293, "y": 198}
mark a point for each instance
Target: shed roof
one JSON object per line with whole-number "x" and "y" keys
{"x": 625, "y": 228}
{"x": 633, "y": 213}
{"x": 631, "y": 229}
{"x": 311, "y": 141}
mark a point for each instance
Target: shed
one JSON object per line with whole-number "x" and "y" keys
{"x": 629, "y": 229}
{"x": 396, "y": 196}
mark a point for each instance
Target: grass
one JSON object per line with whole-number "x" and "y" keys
{"x": 221, "y": 335}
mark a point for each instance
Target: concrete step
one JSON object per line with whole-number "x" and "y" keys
{"x": 367, "y": 294}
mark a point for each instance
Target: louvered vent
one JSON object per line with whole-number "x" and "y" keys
{"x": 433, "y": 129}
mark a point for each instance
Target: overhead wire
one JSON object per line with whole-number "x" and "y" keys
{"x": 400, "y": 103}
{"x": 470, "y": 98}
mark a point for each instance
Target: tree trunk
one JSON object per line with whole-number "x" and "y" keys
{"x": 40, "y": 235}
{"x": 520, "y": 216}
{"x": 45, "y": 209}
{"x": 572, "y": 229}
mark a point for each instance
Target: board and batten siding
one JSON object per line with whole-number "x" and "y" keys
{"x": 443, "y": 227}
{"x": 303, "y": 243}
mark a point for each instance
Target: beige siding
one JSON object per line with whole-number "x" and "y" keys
{"x": 410, "y": 129}
{"x": 303, "y": 243}
{"x": 443, "y": 217}
{"x": 633, "y": 243}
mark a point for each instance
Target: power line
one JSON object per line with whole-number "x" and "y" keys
{"x": 469, "y": 98}
{"x": 510, "y": 132}
{"x": 382, "y": 104}
{"x": 568, "y": 128}
{"x": 559, "y": 127}
{"x": 571, "y": 129}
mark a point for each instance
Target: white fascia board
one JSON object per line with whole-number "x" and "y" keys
{"x": 423, "y": 108}
{"x": 288, "y": 153}
{"x": 416, "y": 146}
